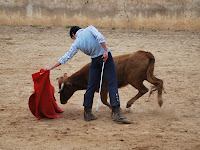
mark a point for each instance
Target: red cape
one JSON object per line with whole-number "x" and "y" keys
{"x": 42, "y": 102}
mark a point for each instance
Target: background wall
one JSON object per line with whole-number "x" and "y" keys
{"x": 154, "y": 14}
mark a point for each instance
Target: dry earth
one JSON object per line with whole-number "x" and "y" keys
{"x": 174, "y": 126}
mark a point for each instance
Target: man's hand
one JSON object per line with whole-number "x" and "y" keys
{"x": 105, "y": 56}
{"x": 54, "y": 66}
{"x": 47, "y": 68}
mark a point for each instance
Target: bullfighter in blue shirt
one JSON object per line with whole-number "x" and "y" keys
{"x": 91, "y": 42}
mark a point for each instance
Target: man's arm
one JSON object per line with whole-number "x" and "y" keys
{"x": 97, "y": 34}
{"x": 68, "y": 55}
{"x": 101, "y": 40}
{"x": 54, "y": 66}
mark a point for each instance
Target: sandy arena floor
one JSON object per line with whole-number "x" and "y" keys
{"x": 174, "y": 126}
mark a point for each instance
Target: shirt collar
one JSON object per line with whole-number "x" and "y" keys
{"x": 77, "y": 33}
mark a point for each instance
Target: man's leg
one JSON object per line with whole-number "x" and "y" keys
{"x": 110, "y": 74}
{"x": 94, "y": 77}
{"x": 112, "y": 85}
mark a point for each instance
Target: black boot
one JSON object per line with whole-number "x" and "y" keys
{"x": 118, "y": 116}
{"x": 88, "y": 116}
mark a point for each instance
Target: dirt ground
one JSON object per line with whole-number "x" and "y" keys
{"x": 174, "y": 126}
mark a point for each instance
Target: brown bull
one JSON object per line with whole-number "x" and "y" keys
{"x": 132, "y": 69}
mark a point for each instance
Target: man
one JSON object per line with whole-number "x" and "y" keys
{"x": 91, "y": 42}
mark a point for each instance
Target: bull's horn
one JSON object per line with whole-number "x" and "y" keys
{"x": 61, "y": 87}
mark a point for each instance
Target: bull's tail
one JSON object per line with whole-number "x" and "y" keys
{"x": 158, "y": 83}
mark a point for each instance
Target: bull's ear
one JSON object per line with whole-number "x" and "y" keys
{"x": 65, "y": 74}
{"x": 68, "y": 84}
{"x": 59, "y": 78}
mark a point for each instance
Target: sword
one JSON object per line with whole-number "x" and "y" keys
{"x": 100, "y": 85}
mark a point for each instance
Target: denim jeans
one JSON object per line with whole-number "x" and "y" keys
{"x": 110, "y": 75}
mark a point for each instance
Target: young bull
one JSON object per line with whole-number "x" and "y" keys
{"x": 131, "y": 68}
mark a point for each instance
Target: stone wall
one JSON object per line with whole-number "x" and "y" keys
{"x": 154, "y": 14}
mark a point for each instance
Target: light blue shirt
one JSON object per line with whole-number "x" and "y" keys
{"x": 88, "y": 41}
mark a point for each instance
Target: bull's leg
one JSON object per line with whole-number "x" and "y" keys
{"x": 104, "y": 97}
{"x": 160, "y": 101}
{"x": 153, "y": 89}
{"x": 141, "y": 91}
{"x": 158, "y": 83}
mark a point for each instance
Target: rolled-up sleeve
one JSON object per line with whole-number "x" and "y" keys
{"x": 97, "y": 34}
{"x": 68, "y": 55}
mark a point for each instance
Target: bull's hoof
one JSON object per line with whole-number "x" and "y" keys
{"x": 128, "y": 105}
{"x": 160, "y": 103}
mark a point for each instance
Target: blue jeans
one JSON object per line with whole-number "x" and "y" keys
{"x": 110, "y": 76}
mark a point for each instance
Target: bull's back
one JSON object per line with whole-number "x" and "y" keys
{"x": 132, "y": 67}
